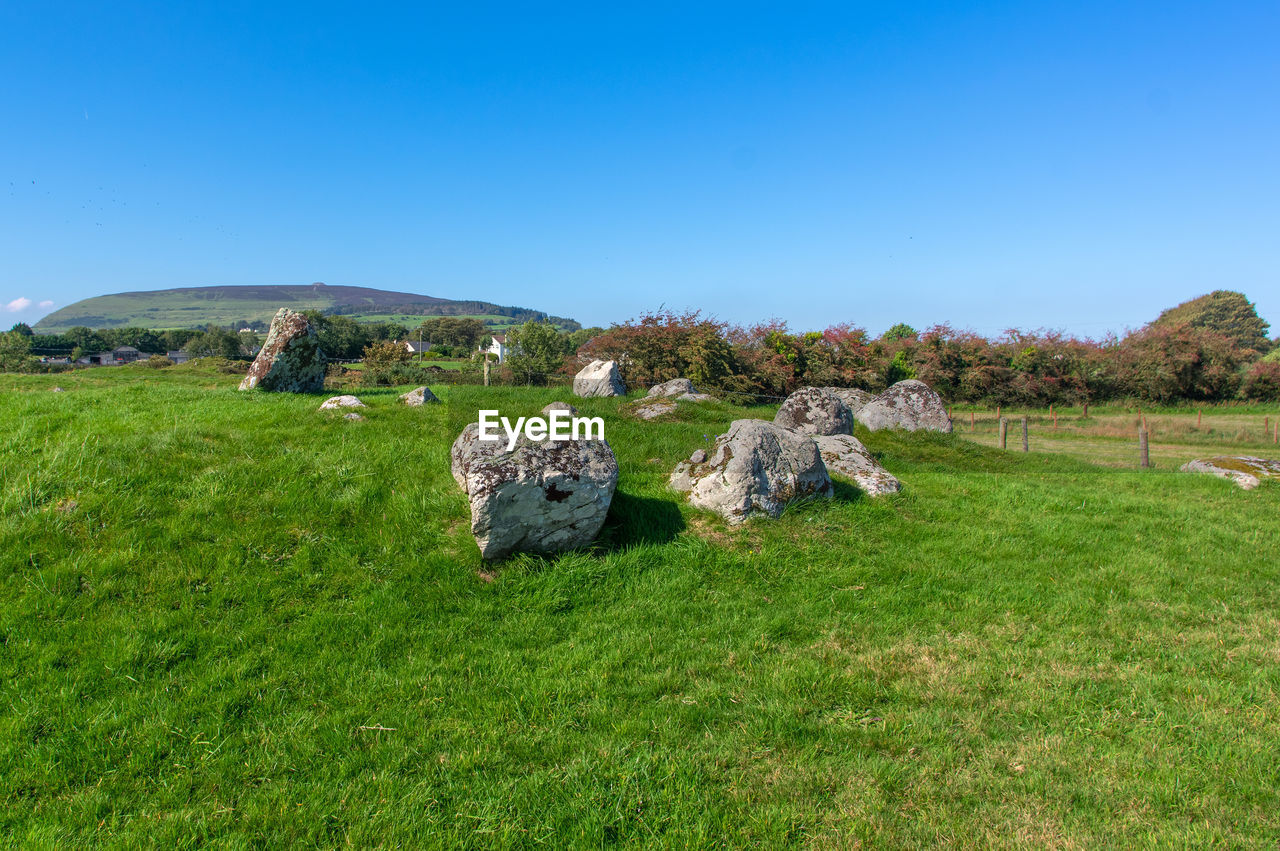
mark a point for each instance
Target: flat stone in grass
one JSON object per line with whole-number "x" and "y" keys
{"x": 418, "y": 397}
{"x": 334, "y": 403}
{"x": 559, "y": 406}
{"x": 290, "y": 360}
{"x": 845, "y": 456}
{"x": 755, "y": 468}
{"x": 1245, "y": 470}
{"x": 599, "y": 378}
{"x": 541, "y": 497}
{"x": 653, "y": 408}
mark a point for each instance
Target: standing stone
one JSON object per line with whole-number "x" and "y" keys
{"x": 290, "y": 360}
{"x": 541, "y": 497}
{"x": 844, "y": 455}
{"x": 910, "y": 405}
{"x": 599, "y": 378}
{"x": 813, "y": 410}
{"x": 418, "y": 397}
{"x": 755, "y": 468}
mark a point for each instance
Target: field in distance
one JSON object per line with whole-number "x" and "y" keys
{"x": 227, "y": 616}
{"x": 1109, "y": 435}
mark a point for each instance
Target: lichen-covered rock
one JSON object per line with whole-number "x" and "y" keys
{"x": 910, "y": 405}
{"x": 56, "y": 390}
{"x": 418, "y": 397}
{"x": 559, "y": 406}
{"x": 1246, "y": 471}
{"x": 541, "y": 497}
{"x": 853, "y": 398}
{"x": 333, "y": 403}
{"x": 599, "y": 378}
{"x": 756, "y": 467}
{"x": 290, "y": 360}
{"x": 674, "y": 387}
{"x": 844, "y": 455}
{"x": 652, "y": 409}
{"x": 813, "y": 410}
{"x": 695, "y": 397}
{"x": 353, "y": 417}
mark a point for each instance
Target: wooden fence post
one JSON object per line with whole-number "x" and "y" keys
{"x": 1199, "y": 416}
{"x": 997, "y": 412}
{"x": 973, "y": 421}
{"x": 486, "y": 370}
{"x": 1026, "y": 446}
{"x": 1144, "y": 455}
{"x": 1086, "y": 410}
{"x": 1004, "y": 432}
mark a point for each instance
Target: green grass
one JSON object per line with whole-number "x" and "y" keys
{"x": 227, "y": 619}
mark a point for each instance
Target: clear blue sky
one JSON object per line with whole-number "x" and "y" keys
{"x": 1068, "y": 165}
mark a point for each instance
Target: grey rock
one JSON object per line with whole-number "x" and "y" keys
{"x": 813, "y": 410}
{"x": 654, "y": 409}
{"x": 674, "y": 387}
{"x": 559, "y": 406}
{"x": 910, "y": 405}
{"x": 695, "y": 397}
{"x": 1247, "y": 471}
{"x": 290, "y": 360}
{"x": 418, "y": 397}
{"x": 353, "y": 416}
{"x": 541, "y": 497}
{"x": 844, "y": 455}
{"x": 853, "y": 398}
{"x": 57, "y": 390}
{"x": 755, "y": 468}
{"x": 333, "y": 403}
{"x": 599, "y": 378}
{"x": 699, "y": 456}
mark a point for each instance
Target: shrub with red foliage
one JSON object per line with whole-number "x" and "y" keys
{"x": 1262, "y": 382}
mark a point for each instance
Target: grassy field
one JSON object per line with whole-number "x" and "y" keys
{"x": 227, "y": 619}
{"x": 1109, "y": 435}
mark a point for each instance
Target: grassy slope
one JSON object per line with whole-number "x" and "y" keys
{"x": 198, "y": 307}
{"x": 1017, "y": 650}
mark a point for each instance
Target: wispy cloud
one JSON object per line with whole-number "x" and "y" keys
{"x": 45, "y": 305}
{"x": 18, "y": 304}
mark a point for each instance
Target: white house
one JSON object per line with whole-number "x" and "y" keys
{"x": 498, "y": 347}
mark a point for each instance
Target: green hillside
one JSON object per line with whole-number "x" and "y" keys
{"x": 196, "y": 307}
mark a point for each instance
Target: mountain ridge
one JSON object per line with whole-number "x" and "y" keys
{"x": 254, "y": 305}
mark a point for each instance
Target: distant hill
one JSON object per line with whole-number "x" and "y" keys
{"x": 253, "y": 306}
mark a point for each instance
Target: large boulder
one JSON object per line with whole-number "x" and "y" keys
{"x": 599, "y": 378}
{"x": 853, "y": 398}
{"x": 844, "y": 455}
{"x": 290, "y": 360}
{"x": 1246, "y": 471}
{"x": 418, "y": 397}
{"x": 674, "y": 387}
{"x": 541, "y": 497}
{"x": 814, "y": 410}
{"x": 910, "y": 405}
{"x": 755, "y": 468}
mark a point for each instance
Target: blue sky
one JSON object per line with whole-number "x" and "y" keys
{"x": 1074, "y": 166}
